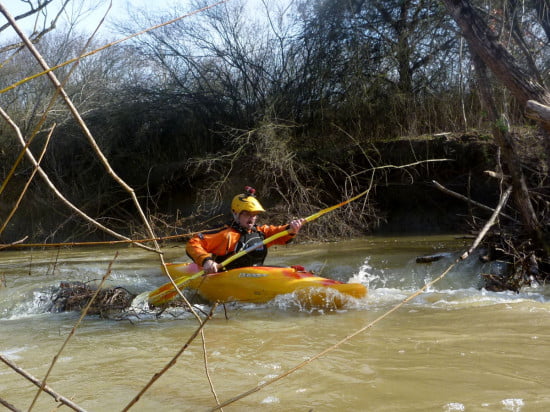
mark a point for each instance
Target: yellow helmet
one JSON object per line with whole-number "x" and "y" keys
{"x": 246, "y": 202}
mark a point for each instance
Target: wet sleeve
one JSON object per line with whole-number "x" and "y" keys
{"x": 270, "y": 230}
{"x": 196, "y": 249}
{"x": 211, "y": 245}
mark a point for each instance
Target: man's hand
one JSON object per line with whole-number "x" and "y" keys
{"x": 211, "y": 267}
{"x": 296, "y": 225}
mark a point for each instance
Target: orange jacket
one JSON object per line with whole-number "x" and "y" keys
{"x": 220, "y": 244}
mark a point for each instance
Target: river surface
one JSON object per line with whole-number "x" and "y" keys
{"x": 455, "y": 347}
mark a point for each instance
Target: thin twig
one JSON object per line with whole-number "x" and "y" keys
{"x": 42, "y": 387}
{"x": 419, "y": 162}
{"x": 207, "y": 371}
{"x": 54, "y": 188}
{"x": 13, "y": 243}
{"x": 467, "y": 199}
{"x": 490, "y": 222}
{"x": 73, "y": 330}
{"x": 172, "y": 361}
{"x": 107, "y": 45}
{"x": 28, "y": 183}
{"x": 8, "y": 405}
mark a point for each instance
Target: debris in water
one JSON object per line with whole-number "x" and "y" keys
{"x": 431, "y": 258}
{"x": 74, "y": 296}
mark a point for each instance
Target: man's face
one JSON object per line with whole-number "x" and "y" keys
{"x": 247, "y": 220}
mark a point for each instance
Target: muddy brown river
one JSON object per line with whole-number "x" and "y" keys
{"x": 456, "y": 347}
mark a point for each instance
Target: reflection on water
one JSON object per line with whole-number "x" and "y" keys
{"x": 455, "y": 347}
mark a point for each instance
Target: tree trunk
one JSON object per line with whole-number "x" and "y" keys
{"x": 482, "y": 41}
{"x": 488, "y": 52}
{"x": 535, "y": 110}
{"x": 543, "y": 14}
{"x": 507, "y": 147}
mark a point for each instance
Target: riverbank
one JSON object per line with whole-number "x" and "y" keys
{"x": 403, "y": 200}
{"x": 406, "y": 198}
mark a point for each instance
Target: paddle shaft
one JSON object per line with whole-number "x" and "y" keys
{"x": 156, "y": 296}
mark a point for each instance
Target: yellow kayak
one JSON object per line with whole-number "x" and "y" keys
{"x": 260, "y": 284}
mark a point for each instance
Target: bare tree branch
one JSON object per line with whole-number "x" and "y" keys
{"x": 45, "y": 388}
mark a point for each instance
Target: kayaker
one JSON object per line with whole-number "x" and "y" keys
{"x": 209, "y": 249}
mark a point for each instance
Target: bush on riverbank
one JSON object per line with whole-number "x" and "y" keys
{"x": 308, "y": 112}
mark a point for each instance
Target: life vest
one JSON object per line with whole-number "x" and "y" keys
{"x": 255, "y": 257}
{"x": 219, "y": 244}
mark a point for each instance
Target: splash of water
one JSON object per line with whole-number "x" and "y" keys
{"x": 367, "y": 277}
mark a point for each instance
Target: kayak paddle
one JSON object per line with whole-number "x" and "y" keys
{"x": 166, "y": 292}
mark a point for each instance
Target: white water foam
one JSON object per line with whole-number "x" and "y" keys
{"x": 28, "y": 305}
{"x": 458, "y": 289}
{"x": 386, "y": 286}
{"x": 270, "y": 400}
{"x": 13, "y": 353}
{"x": 366, "y": 275}
{"x": 455, "y": 406}
{"x": 514, "y": 405}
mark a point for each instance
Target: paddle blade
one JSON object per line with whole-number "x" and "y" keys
{"x": 162, "y": 295}
{"x": 162, "y": 298}
{"x": 181, "y": 274}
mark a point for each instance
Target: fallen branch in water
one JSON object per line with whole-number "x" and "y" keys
{"x": 430, "y": 258}
{"x": 73, "y": 330}
{"x": 75, "y": 296}
{"x": 490, "y": 222}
